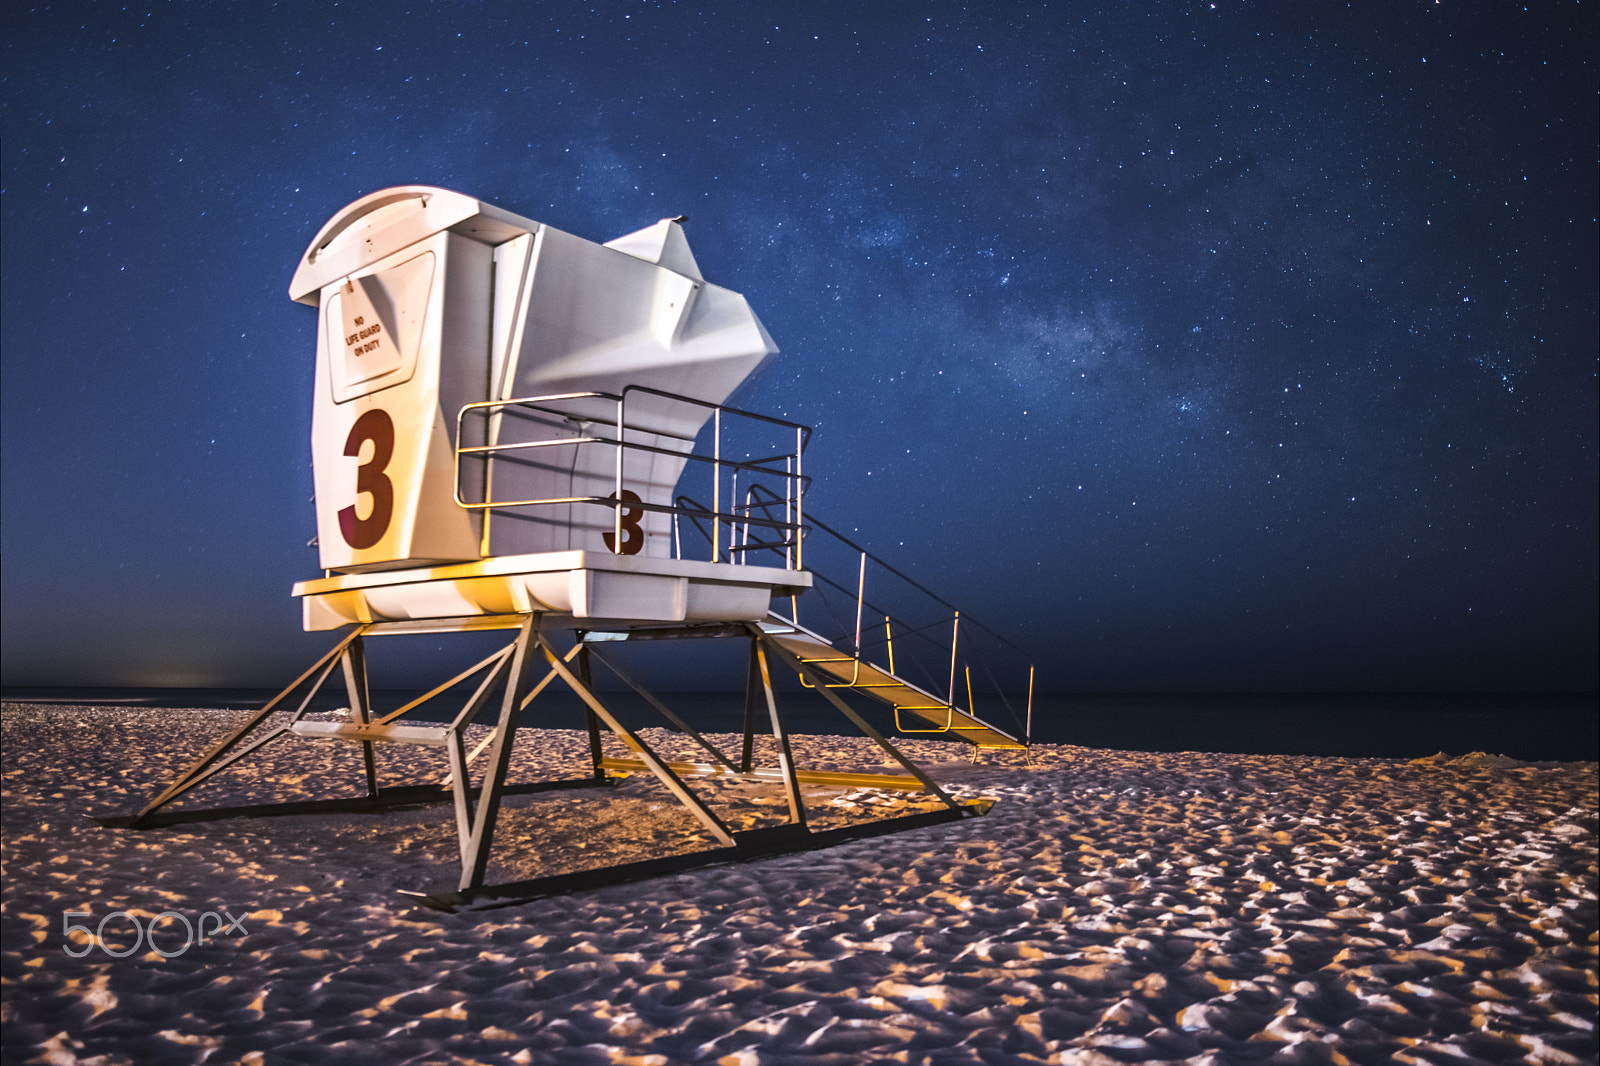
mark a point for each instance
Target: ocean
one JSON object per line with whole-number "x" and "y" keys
{"x": 1528, "y": 726}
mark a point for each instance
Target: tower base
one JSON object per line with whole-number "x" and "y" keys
{"x": 514, "y": 676}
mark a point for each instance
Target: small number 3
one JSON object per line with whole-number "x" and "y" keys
{"x": 632, "y": 535}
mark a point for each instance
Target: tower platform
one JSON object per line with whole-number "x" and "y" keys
{"x": 598, "y": 589}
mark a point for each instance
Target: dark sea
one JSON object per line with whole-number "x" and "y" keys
{"x": 1528, "y": 726}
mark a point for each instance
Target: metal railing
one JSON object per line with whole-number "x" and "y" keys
{"x": 966, "y": 666}
{"x": 559, "y": 412}
{"x": 976, "y": 670}
{"x": 923, "y": 638}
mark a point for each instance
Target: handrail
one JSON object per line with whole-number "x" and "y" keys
{"x": 731, "y": 522}
{"x": 692, "y": 509}
{"x": 719, "y": 407}
{"x": 963, "y": 654}
{"x": 531, "y": 408}
{"x": 802, "y": 438}
{"x": 819, "y": 524}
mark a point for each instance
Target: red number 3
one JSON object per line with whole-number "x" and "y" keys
{"x": 374, "y": 425}
{"x": 632, "y": 535}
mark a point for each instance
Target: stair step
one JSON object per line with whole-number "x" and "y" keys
{"x": 431, "y": 735}
{"x": 879, "y": 683}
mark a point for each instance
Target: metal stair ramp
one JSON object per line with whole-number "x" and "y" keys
{"x": 856, "y": 673}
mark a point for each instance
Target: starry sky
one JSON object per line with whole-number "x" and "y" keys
{"x": 1196, "y": 346}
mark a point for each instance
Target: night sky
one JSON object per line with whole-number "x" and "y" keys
{"x": 1199, "y": 347}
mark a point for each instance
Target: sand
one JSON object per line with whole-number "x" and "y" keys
{"x": 1112, "y": 907}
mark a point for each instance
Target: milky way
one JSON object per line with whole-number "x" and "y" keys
{"x": 1198, "y": 346}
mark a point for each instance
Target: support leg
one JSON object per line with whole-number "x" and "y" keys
{"x": 459, "y": 780}
{"x": 212, "y": 760}
{"x": 791, "y": 782}
{"x": 355, "y": 685}
{"x": 476, "y": 860}
{"x": 752, "y": 673}
{"x": 821, "y": 685}
{"x": 596, "y": 752}
{"x": 550, "y": 675}
{"x": 660, "y": 708}
{"x": 662, "y": 771}
{"x": 459, "y": 784}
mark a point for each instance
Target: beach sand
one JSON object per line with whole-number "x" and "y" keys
{"x": 1112, "y": 907}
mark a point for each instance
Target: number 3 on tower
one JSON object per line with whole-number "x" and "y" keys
{"x": 374, "y": 425}
{"x": 632, "y": 535}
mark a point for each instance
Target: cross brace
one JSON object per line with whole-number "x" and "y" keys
{"x": 510, "y": 673}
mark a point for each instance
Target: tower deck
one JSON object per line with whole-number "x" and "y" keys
{"x": 584, "y": 586}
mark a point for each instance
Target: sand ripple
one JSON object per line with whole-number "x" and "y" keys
{"x": 1113, "y": 907}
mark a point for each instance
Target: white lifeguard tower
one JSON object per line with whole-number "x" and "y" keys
{"x": 515, "y": 428}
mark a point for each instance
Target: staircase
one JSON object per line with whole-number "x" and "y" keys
{"x": 849, "y": 671}
{"x": 764, "y": 523}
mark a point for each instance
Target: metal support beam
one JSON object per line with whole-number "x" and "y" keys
{"x": 825, "y": 778}
{"x": 549, "y": 676}
{"x": 485, "y": 689}
{"x": 645, "y": 694}
{"x": 819, "y": 682}
{"x": 460, "y": 784}
{"x": 206, "y": 765}
{"x": 596, "y": 750}
{"x": 752, "y": 672}
{"x": 791, "y": 783}
{"x": 475, "y": 860}
{"x": 220, "y": 765}
{"x": 509, "y": 673}
{"x": 455, "y": 745}
{"x": 662, "y": 772}
{"x": 452, "y": 683}
{"x": 354, "y": 661}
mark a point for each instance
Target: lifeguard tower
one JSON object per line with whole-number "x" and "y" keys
{"x": 516, "y": 428}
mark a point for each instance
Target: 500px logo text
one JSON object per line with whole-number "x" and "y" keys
{"x": 224, "y": 924}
